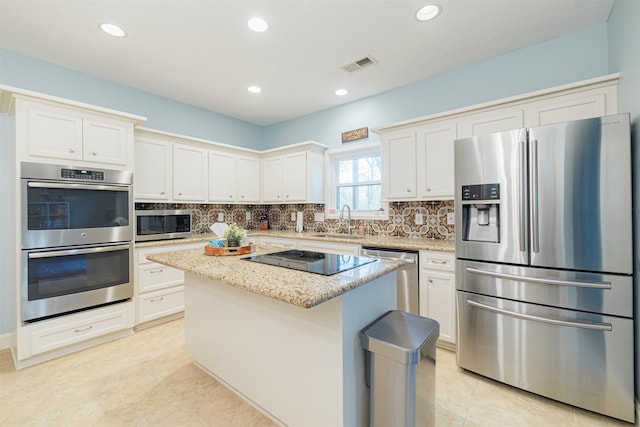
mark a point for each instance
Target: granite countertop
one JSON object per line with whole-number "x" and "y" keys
{"x": 291, "y": 286}
{"x": 377, "y": 241}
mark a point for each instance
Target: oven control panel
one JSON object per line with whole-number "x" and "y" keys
{"x": 82, "y": 174}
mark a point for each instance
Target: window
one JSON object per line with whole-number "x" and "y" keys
{"x": 356, "y": 181}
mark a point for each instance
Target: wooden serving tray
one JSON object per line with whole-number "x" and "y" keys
{"x": 236, "y": 250}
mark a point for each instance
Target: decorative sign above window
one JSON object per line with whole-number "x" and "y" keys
{"x": 356, "y": 134}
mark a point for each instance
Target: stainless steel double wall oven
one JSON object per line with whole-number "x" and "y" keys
{"x": 76, "y": 239}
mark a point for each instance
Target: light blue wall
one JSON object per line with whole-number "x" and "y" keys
{"x": 162, "y": 113}
{"x": 624, "y": 57}
{"x": 575, "y": 57}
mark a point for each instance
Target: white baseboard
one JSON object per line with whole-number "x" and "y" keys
{"x": 5, "y": 340}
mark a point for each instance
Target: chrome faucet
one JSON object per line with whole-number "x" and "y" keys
{"x": 349, "y": 226}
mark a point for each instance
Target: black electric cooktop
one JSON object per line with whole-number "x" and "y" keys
{"x": 312, "y": 262}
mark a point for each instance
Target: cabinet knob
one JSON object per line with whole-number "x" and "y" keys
{"x": 278, "y": 196}
{"x": 230, "y": 196}
{"x": 408, "y": 190}
{"x": 287, "y": 196}
{"x": 71, "y": 150}
{"x": 93, "y": 153}
{"x": 179, "y": 194}
{"x": 430, "y": 281}
{"x": 428, "y": 189}
{"x": 162, "y": 193}
{"x": 242, "y": 197}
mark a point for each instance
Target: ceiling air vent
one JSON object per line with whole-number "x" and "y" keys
{"x": 360, "y": 64}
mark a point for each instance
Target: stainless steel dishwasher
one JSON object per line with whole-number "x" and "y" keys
{"x": 408, "y": 289}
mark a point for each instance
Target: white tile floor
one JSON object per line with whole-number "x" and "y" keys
{"x": 148, "y": 380}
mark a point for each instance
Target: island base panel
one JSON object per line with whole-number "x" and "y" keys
{"x": 299, "y": 366}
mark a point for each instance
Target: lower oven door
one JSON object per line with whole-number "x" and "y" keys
{"x": 74, "y": 278}
{"x": 579, "y": 358}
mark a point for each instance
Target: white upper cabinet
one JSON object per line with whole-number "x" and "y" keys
{"x": 483, "y": 123}
{"x": 583, "y": 105}
{"x": 417, "y": 162}
{"x": 295, "y": 176}
{"x": 189, "y": 173}
{"x": 233, "y": 178}
{"x": 398, "y": 151}
{"x": 51, "y": 131}
{"x": 272, "y": 179}
{"x": 105, "y": 140}
{"x": 435, "y": 158}
{"x": 248, "y": 179}
{"x": 222, "y": 177}
{"x": 294, "y": 183}
{"x": 152, "y": 178}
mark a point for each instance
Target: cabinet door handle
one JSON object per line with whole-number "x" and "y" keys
{"x": 157, "y": 270}
{"x": 434, "y": 261}
{"x": 88, "y": 328}
{"x": 155, "y": 300}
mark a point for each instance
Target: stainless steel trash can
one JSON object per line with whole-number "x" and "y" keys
{"x": 400, "y": 351}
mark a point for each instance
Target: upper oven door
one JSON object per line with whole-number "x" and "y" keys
{"x": 65, "y": 214}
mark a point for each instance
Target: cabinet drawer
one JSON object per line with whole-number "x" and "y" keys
{"x": 65, "y": 331}
{"x": 437, "y": 261}
{"x": 156, "y": 276}
{"x": 159, "y": 304}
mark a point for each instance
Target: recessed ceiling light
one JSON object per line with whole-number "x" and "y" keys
{"x": 258, "y": 24}
{"x": 341, "y": 92}
{"x": 427, "y": 12}
{"x": 254, "y": 89}
{"x": 113, "y": 30}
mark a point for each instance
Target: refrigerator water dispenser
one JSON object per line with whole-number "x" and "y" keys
{"x": 481, "y": 213}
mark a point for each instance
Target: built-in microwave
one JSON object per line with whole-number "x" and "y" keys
{"x": 162, "y": 224}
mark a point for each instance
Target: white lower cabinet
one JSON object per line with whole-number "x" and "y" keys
{"x": 329, "y": 247}
{"x": 155, "y": 305}
{"x": 438, "y": 293}
{"x": 66, "y": 334}
{"x": 276, "y": 242}
{"x": 159, "y": 290}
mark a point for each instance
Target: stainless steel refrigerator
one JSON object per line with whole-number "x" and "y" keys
{"x": 544, "y": 281}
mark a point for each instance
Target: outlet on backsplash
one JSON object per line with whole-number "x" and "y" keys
{"x": 451, "y": 218}
{"x": 418, "y": 219}
{"x": 221, "y": 217}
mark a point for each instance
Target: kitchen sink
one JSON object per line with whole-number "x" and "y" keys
{"x": 340, "y": 236}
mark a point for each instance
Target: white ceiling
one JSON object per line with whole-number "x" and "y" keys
{"x": 202, "y": 53}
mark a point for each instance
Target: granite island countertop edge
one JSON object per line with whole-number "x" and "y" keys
{"x": 294, "y": 287}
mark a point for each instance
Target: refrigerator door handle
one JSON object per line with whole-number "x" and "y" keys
{"x": 522, "y": 214}
{"x": 584, "y": 325}
{"x": 533, "y": 167}
{"x": 593, "y": 285}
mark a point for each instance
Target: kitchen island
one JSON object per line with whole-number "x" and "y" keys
{"x": 284, "y": 340}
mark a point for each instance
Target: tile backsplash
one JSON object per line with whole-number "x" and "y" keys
{"x": 401, "y": 220}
